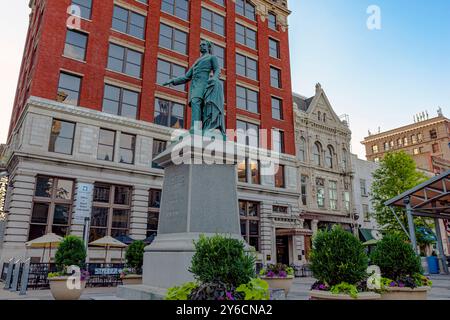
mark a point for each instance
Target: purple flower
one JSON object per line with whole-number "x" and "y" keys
{"x": 270, "y": 274}
{"x": 230, "y": 296}
{"x": 282, "y": 274}
{"x": 401, "y": 284}
{"x": 392, "y": 284}
{"x": 322, "y": 287}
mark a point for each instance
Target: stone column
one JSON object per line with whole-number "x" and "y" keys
{"x": 314, "y": 226}
{"x": 266, "y": 233}
{"x": 139, "y": 212}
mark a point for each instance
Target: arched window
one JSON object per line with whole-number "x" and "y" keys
{"x": 329, "y": 157}
{"x": 317, "y": 154}
{"x": 319, "y": 116}
{"x": 324, "y": 117}
{"x": 302, "y": 150}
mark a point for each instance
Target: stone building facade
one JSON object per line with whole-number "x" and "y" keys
{"x": 427, "y": 140}
{"x": 324, "y": 165}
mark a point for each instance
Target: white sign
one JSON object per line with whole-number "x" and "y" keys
{"x": 83, "y": 203}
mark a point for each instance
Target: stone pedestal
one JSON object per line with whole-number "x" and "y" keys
{"x": 198, "y": 198}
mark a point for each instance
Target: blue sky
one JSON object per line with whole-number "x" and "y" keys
{"x": 380, "y": 78}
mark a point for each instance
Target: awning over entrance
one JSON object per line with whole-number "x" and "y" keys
{"x": 293, "y": 232}
{"x": 369, "y": 235}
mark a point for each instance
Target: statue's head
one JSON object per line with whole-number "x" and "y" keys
{"x": 205, "y": 46}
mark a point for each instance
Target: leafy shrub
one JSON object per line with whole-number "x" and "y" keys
{"x": 135, "y": 255}
{"x": 256, "y": 289}
{"x": 214, "y": 291}
{"x": 277, "y": 271}
{"x": 338, "y": 256}
{"x": 181, "y": 293}
{"x": 71, "y": 252}
{"x": 396, "y": 258}
{"x": 345, "y": 288}
{"x": 220, "y": 259}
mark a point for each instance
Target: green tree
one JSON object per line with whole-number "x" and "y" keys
{"x": 397, "y": 173}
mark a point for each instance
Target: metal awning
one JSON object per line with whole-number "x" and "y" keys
{"x": 293, "y": 232}
{"x": 429, "y": 199}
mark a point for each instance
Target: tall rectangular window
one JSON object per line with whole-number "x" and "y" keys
{"x": 333, "y": 195}
{"x": 128, "y": 22}
{"x": 121, "y": 102}
{"x": 246, "y": 9}
{"x": 366, "y": 212}
{"x": 178, "y": 8}
{"x": 172, "y": 39}
{"x": 169, "y": 114}
{"x": 277, "y": 108}
{"x": 255, "y": 170}
{"x": 52, "y": 207}
{"x": 250, "y": 222}
{"x": 320, "y": 192}
{"x": 280, "y": 176}
{"x": 158, "y": 147}
{"x": 106, "y": 143}
{"x": 247, "y": 99}
{"x": 127, "y": 148}
{"x": 75, "y": 45}
{"x": 69, "y": 88}
{"x": 274, "y": 48}
{"x": 154, "y": 205}
{"x": 61, "y": 137}
{"x": 124, "y": 60}
{"x": 347, "y": 201}
{"x": 245, "y": 36}
{"x": 110, "y": 213}
{"x": 246, "y": 67}
{"x": 247, "y": 134}
{"x": 304, "y": 189}
{"x": 219, "y": 52}
{"x": 85, "y": 8}
{"x": 213, "y": 22}
{"x": 275, "y": 77}
{"x": 242, "y": 171}
{"x": 169, "y": 70}
{"x": 272, "y": 20}
{"x": 278, "y": 141}
{"x": 363, "y": 185}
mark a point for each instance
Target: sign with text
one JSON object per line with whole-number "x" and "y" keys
{"x": 83, "y": 202}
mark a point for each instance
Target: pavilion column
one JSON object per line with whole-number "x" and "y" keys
{"x": 412, "y": 231}
{"x": 440, "y": 245}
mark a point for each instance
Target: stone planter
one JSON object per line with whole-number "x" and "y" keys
{"x": 280, "y": 283}
{"x": 60, "y": 290}
{"x": 132, "y": 279}
{"x": 396, "y": 293}
{"x": 326, "y": 295}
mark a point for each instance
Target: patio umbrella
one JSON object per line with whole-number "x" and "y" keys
{"x": 49, "y": 240}
{"x": 108, "y": 242}
{"x": 125, "y": 239}
{"x": 372, "y": 242}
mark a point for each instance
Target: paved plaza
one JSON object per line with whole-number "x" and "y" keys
{"x": 299, "y": 291}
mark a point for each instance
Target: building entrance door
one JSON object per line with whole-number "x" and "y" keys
{"x": 283, "y": 250}
{"x": 308, "y": 245}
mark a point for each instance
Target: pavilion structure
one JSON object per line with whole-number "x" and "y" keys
{"x": 430, "y": 199}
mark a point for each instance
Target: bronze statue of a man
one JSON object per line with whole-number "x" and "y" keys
{"x": 206, "y": 97}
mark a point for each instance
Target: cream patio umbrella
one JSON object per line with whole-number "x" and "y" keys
{"x": 49, "y": 240}
{"x": 108, "y": 242}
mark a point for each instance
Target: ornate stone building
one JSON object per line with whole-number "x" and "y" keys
{"x": 324, "y": 165}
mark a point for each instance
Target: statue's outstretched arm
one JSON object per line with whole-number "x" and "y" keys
{"x": 181, "y": 80}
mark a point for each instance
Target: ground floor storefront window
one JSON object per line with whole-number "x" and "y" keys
{"x": 110, "y": 211}
{"x": 154, "y": 205}
{"x": 250, "y": 223}
{"x": 52, "y": 207}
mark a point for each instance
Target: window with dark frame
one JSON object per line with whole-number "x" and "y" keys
{"x": 246, "y": 36}
{"x": 158, "y": 147}
{"x": 85, "y": 8}
{"x": 246, "y": 9}
{"x": 127, "y": 148}
{"x": 304, "y": 189}
{"x": 75, "y": 45}
{"x": 247, "y": 134}
{"x": 106, "y": 144}
{"x": 279, "y": 176}
{"x": 52, "y": 207}
{"x": 246, "y": 67}
{"x": 168, "y": 70}
{"x": 280, "y": 210}
{"x": 173, "y": 39}
{"x": 169, "y": 114}
{"x": 177, "y": 8}
{"x": 69, "y": 88}
{"x": 320, "y": 192}
{"x": 213, "y": 22}
{"x": 250, "y": 223}
{"x": 154, "y": 205}
{"x": 275, "y": 77}
{"x": 247, "y": 99}
{"x": 120, "y": 101}
{"x": 278, "y": 141}
{"x": 129, "y": 22}
{"x": 124, "y": 60}
{"x": 274, "y": 48}
{"x": 110, "y": 211}
{"x": 272, "y": 21}
{"x": 61, "y": 137}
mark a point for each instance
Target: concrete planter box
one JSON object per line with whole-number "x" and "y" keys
{"x": 326, "y": 295}
{"x": 132, "y": 279}
{"x": 280, "y": 283}
{"x": 396, "y": 293}
{"x": 60, "y": 291}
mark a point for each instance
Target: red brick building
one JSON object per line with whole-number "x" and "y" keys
{"x": 252, "y": 32}
{"x": 90, "y": 114}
